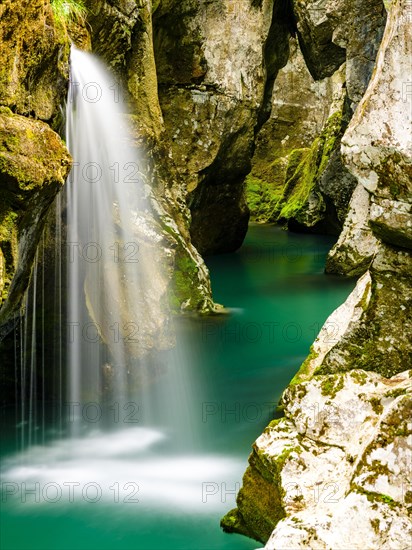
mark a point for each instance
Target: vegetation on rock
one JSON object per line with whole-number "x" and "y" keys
{"x": 66, "y": 11}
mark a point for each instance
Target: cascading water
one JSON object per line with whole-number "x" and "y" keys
{"x": 145, "y": 484}
{"x": 115, "y": 313}
{"x": 107, "y": 275}
{"x": 110, "y": 321}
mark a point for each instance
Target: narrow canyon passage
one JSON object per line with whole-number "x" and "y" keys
{"x": 164, "y": 486}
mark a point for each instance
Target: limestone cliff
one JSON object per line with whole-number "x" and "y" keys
{"x": 213, "y": 100}
{"x": 200, "y": 76}
{"x": 339, "y": 461}
{"x": 377, "y": 150}
{"x": 300, "y": 176}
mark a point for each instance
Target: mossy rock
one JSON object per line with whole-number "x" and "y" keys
{"x": 379, "y": 341}
{"x": 262, "y": 199}
{"x": 34, "y": 163}
{"x": 34, "y": 58}
{"x": 288, "y": 190}
{"x": 302, "y": 200}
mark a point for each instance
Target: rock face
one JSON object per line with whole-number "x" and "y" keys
{"x": 34, "y": 51}
{"x": 34, "y": 164}
{"x": 296, "y": 178}
{"x": 333, "y": 31}
{"x": 213, "y": 100}
{"x": 377, "y": 149}
{"x": 202, "y": 92}
{"x": 126, "y": 44}
{"x": 33, "y": 160}
{"x": 301, "y": 107}
{"x": 357, "y": 245}
{"x": 339, "y": 460}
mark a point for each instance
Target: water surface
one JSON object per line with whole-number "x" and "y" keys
{"x": 139, "y": 487}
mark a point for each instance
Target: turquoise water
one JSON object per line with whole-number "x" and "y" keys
{"x": 147, "y": 488}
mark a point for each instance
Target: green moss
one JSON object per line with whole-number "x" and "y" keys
{"x": 375, "y": 525}
{"x": 66, "y": 11}
{"x": 232, "y": 522}
{"x": 288, "y": 188}
{"x": 262, "y": 198}
{"x": 359, "y": 376}
{"x": 331, "y": 385}
{"x": 185, "y": 285}
{"x": 396, "y": 393}
{"x": 305, "y": 168}
{"x": 259, "y": 500}
{"x": 386, "y": 499}
{"x": 284, "y": 456}
{"x": 376, "y": 405}
{"x": 374, "y": 497}
{"x": 301, "y": 181}
{"x": 273, "y": 424}
{"x": 364, "y": 301}
{"x": 379, "y": 341}
{"x": 305, "y": 371}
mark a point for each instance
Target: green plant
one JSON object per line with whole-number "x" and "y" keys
{"x": 66, "y": 11}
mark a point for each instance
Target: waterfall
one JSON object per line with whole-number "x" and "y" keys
{"x": 115, "y": 291}
{"x": 105, "y": 292}
{"x": 107, "y": 271}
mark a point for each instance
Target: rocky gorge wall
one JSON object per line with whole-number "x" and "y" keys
{"x": 34, "y": 162}
{"x": 198, "y": 78}
{"x": 178, "y": 79}
{"x": 298, "y": 177}
{"x": 333, "y": 473}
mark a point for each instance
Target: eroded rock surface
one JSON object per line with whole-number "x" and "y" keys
{"x": 216, "y": 64}
{"x": 301, "y": 107}
{"x": 377, "y": 149}
{"x": 333, "y": 31}
{"x": 336, "y": 464}
{"x": 335, "y": 471}
{"x": 296, "y": 180}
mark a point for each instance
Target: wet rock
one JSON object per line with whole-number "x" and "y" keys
{"x": 34, "y": 163}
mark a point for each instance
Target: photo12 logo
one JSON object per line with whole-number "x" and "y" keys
{"x": 69, "y": 492}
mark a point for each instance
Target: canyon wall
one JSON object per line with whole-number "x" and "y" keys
{"x": 34, "y": 162}
{"x": 338, "y": 463}
{"x": 298, "y": 178}
{"x": 335, "y": 153}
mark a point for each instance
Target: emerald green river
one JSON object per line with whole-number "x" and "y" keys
{"x": 144, "y": 487}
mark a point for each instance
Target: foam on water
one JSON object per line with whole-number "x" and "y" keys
{"x": 128, "y": 463}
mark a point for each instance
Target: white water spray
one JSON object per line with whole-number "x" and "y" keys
{"x": 107, "y": 272}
